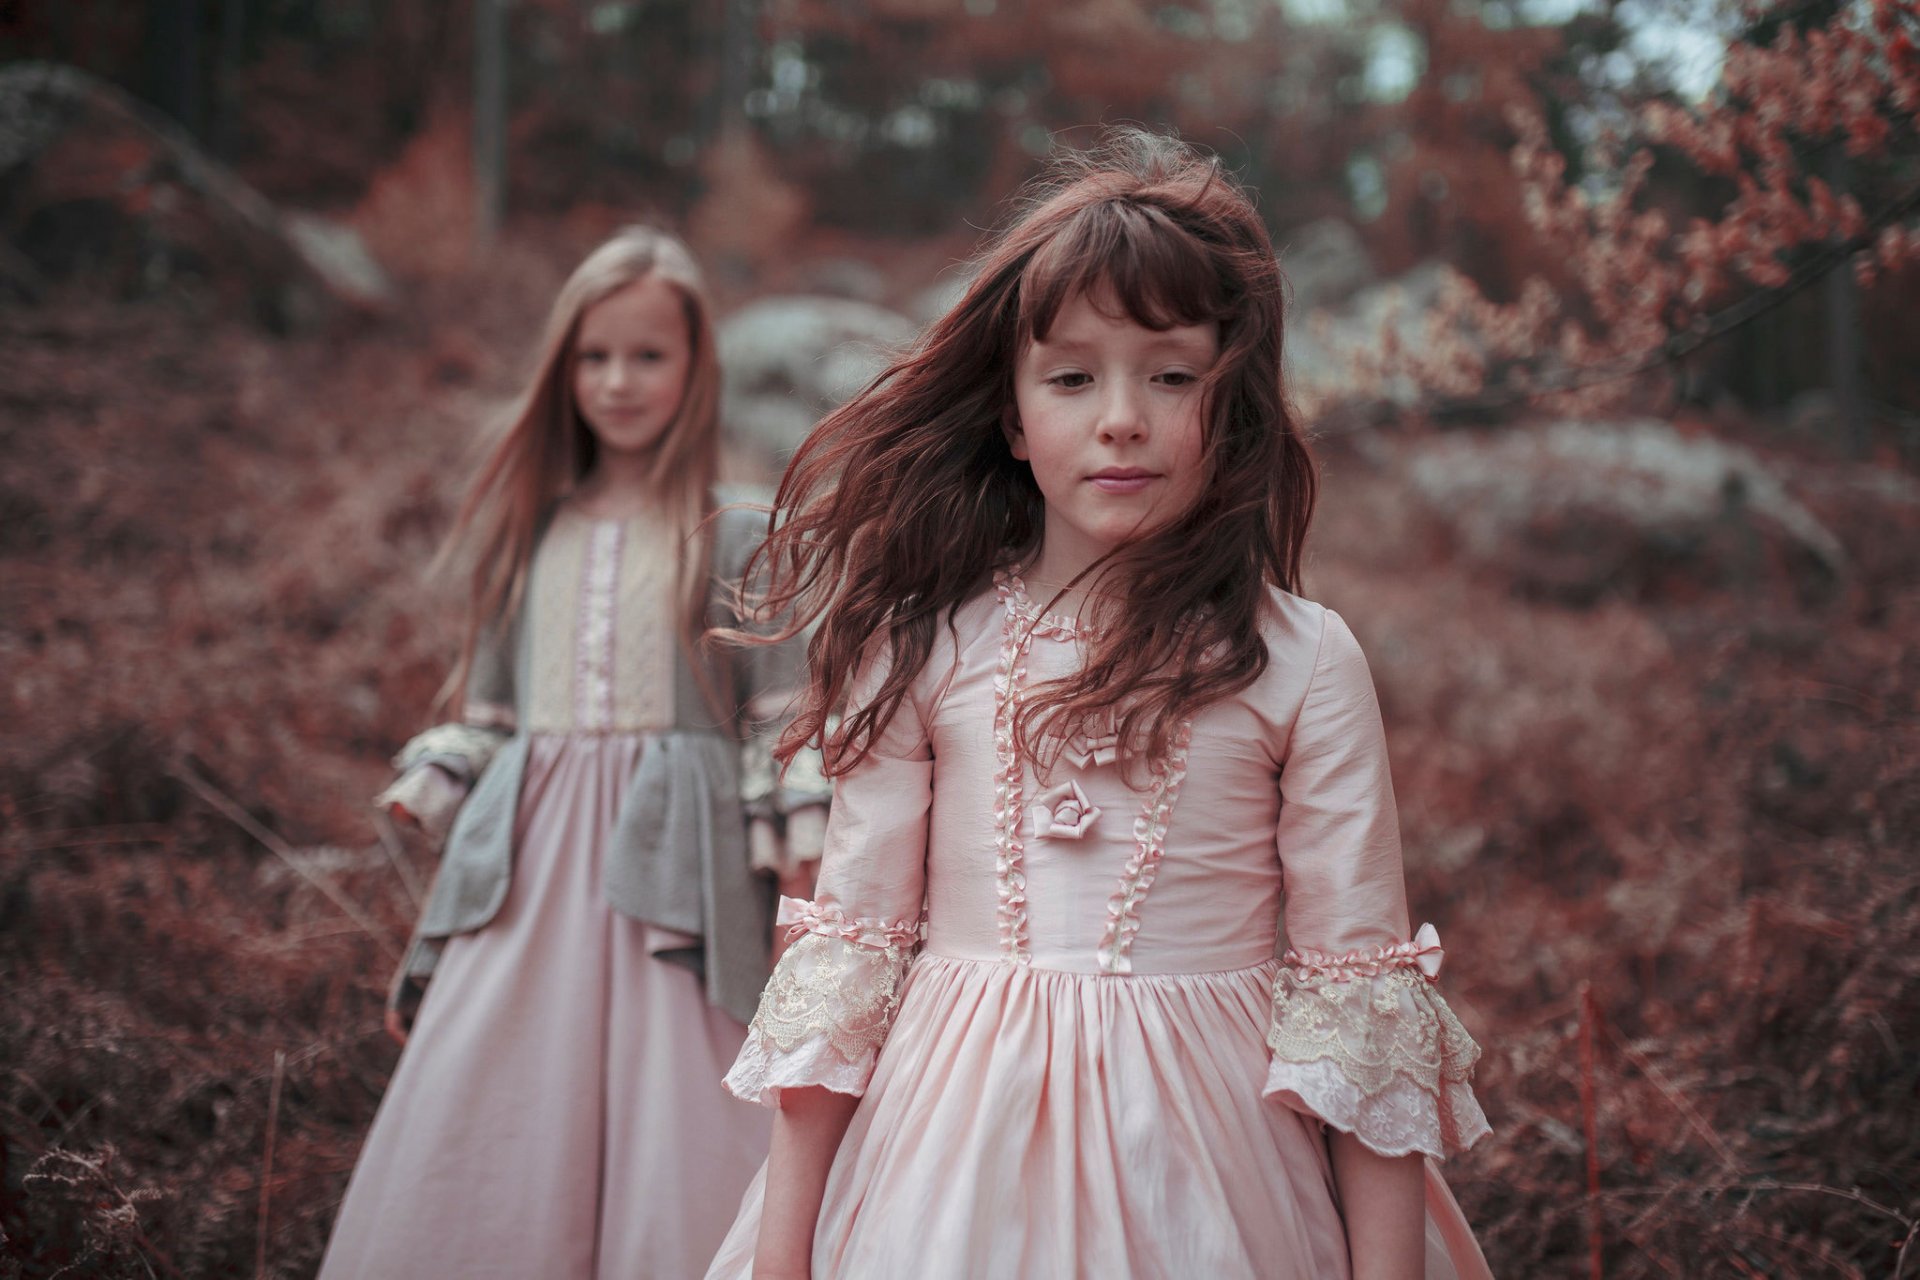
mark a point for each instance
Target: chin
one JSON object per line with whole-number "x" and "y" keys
{"x": 629, "y": 441}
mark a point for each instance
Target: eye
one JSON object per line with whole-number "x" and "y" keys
{"x": 1177, "y": 378}
{"x": 652, "y": 355}
{"x": 1069, "y": 381}
{"x": 592, "y": 355}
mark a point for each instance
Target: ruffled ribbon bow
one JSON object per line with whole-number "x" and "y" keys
{"x": 1423, "y": 953}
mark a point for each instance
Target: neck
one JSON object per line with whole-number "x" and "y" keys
{"x": 619, "y": 482}
{"x": 1064, "y": 556}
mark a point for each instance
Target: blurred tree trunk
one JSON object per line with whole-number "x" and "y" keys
{"x": 233, "y": 43}
{"x": 489, "y": 117}
{"x": 737, "y": 52}
{"x": 172, "y": 51}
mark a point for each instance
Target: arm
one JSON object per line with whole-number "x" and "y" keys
{"x": 1361, "y": 1038}
{"x": 829, "y": 1005}
{"x": 806, "y": 1135}
{"x": 437, "y": 768}
{"x": 1383, "y": 1202}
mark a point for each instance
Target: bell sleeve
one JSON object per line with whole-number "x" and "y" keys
{"x": 827, "y": 1008}
{"x": 438, "y": 767}
{"x": 1360, "y": 1036}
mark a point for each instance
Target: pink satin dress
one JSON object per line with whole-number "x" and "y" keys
{"x": 1091, "y": 1058}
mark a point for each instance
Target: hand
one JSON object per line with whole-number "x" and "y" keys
{"x": 396, "y": 1027}
{"x": 426, "y": 798}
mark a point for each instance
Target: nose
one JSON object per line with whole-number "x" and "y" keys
{"x": 616, "y": 374}
{"x": 1122, "y": 416}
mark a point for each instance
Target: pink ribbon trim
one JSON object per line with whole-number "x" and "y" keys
{"x": 1423, "y": 953}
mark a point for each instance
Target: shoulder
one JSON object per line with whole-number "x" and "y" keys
{"x": 1304, "y": 634}
{"x": 1313, "y": 660}
{"x": 740, "y": 514}
{"x": 965, "y": 637}
{"x": 1292, "y": 626}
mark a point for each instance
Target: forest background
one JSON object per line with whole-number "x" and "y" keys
{"x": 1603, "y": 314}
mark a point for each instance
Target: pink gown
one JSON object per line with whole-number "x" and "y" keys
{"x": 557, "y": 1111}
{"x": 1095, "y": 1063}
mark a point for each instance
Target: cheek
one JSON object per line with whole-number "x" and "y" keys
{"x": 1189, "y": 447}
{"x": 1053, "y": 461}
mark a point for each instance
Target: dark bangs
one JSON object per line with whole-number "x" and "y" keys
{"x": 1121, "y": 251}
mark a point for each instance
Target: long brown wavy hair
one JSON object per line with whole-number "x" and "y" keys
{"x": 901, "y": 503}
{"x": 546, "y": 447}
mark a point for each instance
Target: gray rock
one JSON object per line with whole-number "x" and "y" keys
{"x": 789, "y": 360}
{"x": 1326, "y": 264}
{"x": 338, "y": 253}
{"x": 1579, "y": 509}
{"x": 845, "y": 278}
{"x": 939, "y": 297}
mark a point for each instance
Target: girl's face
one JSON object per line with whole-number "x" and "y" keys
{"x": 1110, "y": 420}
{"x": 630, "y": 362}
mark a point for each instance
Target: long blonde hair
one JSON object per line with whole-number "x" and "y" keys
{"x": 547, "y": 448}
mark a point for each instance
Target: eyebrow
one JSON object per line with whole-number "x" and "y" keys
{"x": 1189, "y": 336}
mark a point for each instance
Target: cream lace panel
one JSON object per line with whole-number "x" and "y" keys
{"x": 552, "y": 613}
{"x": 822, "y": 1018}
{"x": 1379, "y": 1055}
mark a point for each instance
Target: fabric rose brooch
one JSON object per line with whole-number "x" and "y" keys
{"x": 1060, "y": 813}
{"x": 1096, "y": 741}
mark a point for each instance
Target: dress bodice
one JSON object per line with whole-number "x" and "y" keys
{"x": 601, "y": 626}
{"x": 1165, "y": 866}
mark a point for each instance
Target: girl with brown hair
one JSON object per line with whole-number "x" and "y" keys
{"x": 1093, "y": 755}
{"x": 596, "y": 936}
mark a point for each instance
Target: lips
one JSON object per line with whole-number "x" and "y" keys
{"x": 1122, "y": 480}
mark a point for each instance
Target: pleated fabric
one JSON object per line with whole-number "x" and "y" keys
{"x": 558, "y": 1110}
{"x": 1040, "y": 1123}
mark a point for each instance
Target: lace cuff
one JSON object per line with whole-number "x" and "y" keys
{"x": 1365, "y": 1042}
{"x": 828, "y": 1006}
{"x": 463, "y": 750}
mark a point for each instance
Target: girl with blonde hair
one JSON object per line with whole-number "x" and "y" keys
{"x": 598, "y": 932}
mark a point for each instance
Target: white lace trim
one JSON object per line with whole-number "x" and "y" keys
{"x": 1150, "y": 839}
{"x": 1397, "y": 1121}
{"x": 763, "y": 1069}
{"x": 593, "y": 652}
{"x": 822, "y": 1018}
{"x": 1009, "y": 781}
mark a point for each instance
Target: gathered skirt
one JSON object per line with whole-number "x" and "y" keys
{"x": 1031, "y": 1123}
{"x": 557, "y": 1111}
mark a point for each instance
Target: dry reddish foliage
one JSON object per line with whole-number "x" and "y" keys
{"x": 1831, "y": 96}
{"x": 1698, "y": 800}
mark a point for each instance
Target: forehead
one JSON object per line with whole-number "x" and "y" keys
{"x": 649, "y": 307}
{"x": 1098, "y": 319}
